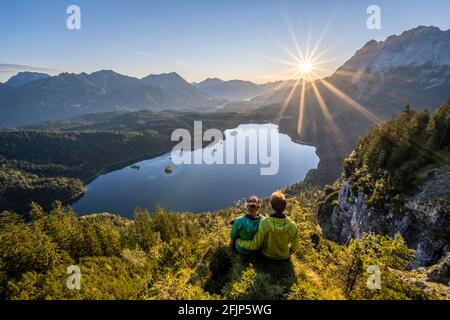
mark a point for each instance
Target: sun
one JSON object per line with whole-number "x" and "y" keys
{"x": 305, "y": 67}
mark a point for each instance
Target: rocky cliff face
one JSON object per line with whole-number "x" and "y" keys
{"x": 413, "y": 47}
{"x": 424, "y": 221}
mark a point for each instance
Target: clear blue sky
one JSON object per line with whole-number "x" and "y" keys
{"x": 198, "y": 39}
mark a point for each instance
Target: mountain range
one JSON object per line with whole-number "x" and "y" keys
{"x": 31, "y": 97}
{"x": 373, "y": 85}
{"x": 68, "y": 95}
{"x": 25, "y": 77}
{"x": 235, "y": 90}
{"x": 178, "y": 88}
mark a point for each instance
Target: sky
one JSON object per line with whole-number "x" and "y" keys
{"x": 232, "y": 39}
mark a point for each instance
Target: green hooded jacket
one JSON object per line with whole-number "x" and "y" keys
{"x": 276, "y": 236}
{"x": 244, "y": 227}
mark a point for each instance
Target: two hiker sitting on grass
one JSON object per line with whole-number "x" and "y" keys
{"x": 275, "y": 235}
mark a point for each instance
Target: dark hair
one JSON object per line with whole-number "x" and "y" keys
{"x": 253, "y": 202}
{"x": 278, "y": 202}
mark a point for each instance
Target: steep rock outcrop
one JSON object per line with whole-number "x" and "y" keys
{"x": 423, "y": 221}
{"x": 441, "y": 272}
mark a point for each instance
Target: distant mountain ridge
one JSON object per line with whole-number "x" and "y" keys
{"x": 235, "y": 90}
{"x": 68, "y": 95}
{"x": 413, "y": 47}
{"x": 410, "y": 68}
{"x": 178, "y": 88}
{"x": 22, "y": 78}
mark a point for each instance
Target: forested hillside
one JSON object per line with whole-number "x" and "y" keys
{"x": 395, "y": 156}
{"x": 48, "y": 166}
{"x": 53, "y": 161}
{"x": 171, "y": 255}
{"x": 397, "y": 180}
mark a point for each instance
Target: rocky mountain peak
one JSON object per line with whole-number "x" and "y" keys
{"x": 418, "y": 46}
{"x": 26, "y": 77}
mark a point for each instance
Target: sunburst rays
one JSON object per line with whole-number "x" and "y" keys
{"x": 301, "y": 109}
{"x": 350, "y": 102}
{"x": 337, "y": 134}
{"x": 287, "y": 100}
{"x": 305, "y": 67}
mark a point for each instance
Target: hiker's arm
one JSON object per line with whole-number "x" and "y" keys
{"x": 294, "y": 242}
{"x": 255, "y": 243}
{"x": 234, "y": 231}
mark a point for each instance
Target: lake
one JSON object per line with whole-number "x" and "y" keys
{"x": 199, "y": 187}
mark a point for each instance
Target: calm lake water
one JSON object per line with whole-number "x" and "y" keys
{"x": 198, "y": 187}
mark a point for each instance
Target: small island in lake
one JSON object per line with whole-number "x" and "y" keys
{"x": 168, "y": 169}
{"x": 135, "y": 166}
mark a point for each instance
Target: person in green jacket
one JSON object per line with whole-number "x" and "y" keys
{"x": 246, "y": 226}
{"x": 277, "y": 234}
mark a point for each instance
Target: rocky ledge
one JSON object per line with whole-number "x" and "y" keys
{"x": 424, "y": 221}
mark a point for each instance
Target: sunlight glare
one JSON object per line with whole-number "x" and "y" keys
{"x": 305, "y": 67}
